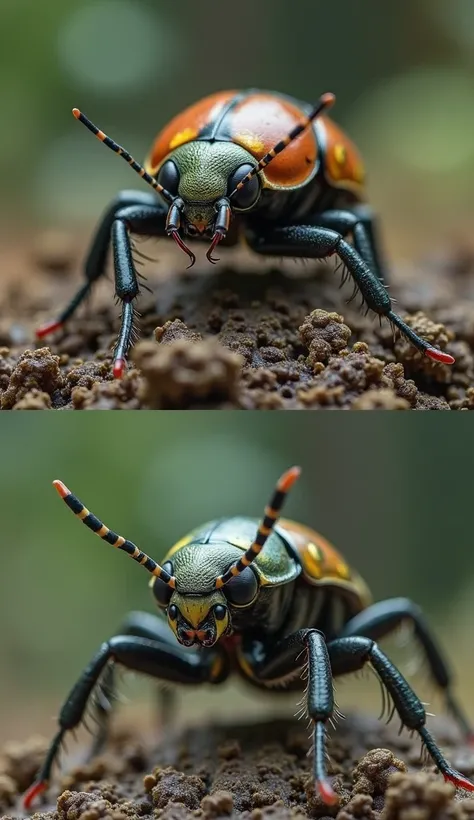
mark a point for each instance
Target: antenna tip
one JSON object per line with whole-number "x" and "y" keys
{"x": 76, "y": 113}
{"x": 288, "y": 479}
{"x": 328, "y": 99}
{"x": 61, "y": 488}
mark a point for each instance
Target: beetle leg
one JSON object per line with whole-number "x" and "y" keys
{"x": 351, "y": 654}
{"x": 384, "y": 617}
{"x": 313, "y": 242}
{"x": 97, "y": 256}
{"x": 166, "y": 662}
{"x": 361, "y": 224}
{"x": 140, "y": 625}
{"x": 147, "y": 220}
{"x": 279, "y": 664}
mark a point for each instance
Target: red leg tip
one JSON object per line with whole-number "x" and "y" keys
{"x": 33, "y": 792}
{"x": 120, "y": 366}
{"x": 438, "y": 356}
{"x": 50, "y": 327}
{"x": 327, "y": 793}
{"x": 459, "y": 780}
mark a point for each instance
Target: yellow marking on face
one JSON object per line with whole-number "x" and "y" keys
{"x": 181, "y": 137}
{"x": 194, "y": 610}
{"x": 251, "y": 142}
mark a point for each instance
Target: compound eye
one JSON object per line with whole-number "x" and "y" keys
{"x": 242, "y": 589}
{"x": 168, "y": 177}
{"x": 162, "y": 591}
{"x": 220, "y": 612}
{"x": 248, "y": 195}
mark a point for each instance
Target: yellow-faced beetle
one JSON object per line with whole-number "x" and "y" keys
{"x": 269, "y": 615}
{"x": 290, "y": 181}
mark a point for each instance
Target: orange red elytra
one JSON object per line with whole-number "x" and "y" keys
{"x": 254, "y": 163}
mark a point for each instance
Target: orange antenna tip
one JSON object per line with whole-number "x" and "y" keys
{"x": 328, "y": 99}
{"x": 61, "y": 488}
{"x": 288, "y": 479}
{"x": 76, "y": 113}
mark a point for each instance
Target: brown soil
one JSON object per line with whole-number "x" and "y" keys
{"x": 257, "y": 772}
{"x": 245, "y": 337}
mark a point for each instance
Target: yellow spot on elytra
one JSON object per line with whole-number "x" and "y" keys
{"x": 251, "y": 142}
{"x": 342, "y": 569}
{"x": 183, "y": 136}
{"x": 340, "y": 154}
{"x": 359, "y": 173}
{"x": 313, "y": 560}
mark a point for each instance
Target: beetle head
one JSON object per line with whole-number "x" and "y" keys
{"x": 198, "y": 613}
{"x": 202, "y": 176}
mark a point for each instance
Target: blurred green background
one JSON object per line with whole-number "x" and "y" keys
{"x": 395, "y": 497}
{"x": 403, "y": 72}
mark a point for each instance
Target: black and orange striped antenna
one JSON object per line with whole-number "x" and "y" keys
{"x": 111, "y": 537}
{"x": 325, "y": 101}
{"x": 122, "y": 153}
{"x": 271, "y": 516}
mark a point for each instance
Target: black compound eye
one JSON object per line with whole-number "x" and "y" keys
{"x": 162, "y": 591}
{"x": 168, "y": 177}
{"x": 220, "y": 612}
{"x": 242, "y": 589}
{"x": 248, "y": 195}
{"x": 173, "y": 612}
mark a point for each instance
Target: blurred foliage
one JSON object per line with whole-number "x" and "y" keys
{"x": 394, "y": 497}
{"x": 402, "y": 71}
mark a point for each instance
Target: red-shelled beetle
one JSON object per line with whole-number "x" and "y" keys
{"x": 253, "y": 163}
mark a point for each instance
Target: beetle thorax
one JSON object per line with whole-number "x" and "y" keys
{"x": 197, "y": 565}
{"x": 205, "y": 169}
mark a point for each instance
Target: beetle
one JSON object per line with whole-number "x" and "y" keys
{"x": 252, "y": 165}
{"x": 271, "y": 601}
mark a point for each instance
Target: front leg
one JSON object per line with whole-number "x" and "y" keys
{"x": 140, "y": 625}
{"x": 166, "y": 662}
{"x": 146, "y": 220}
{"x": 352, "y": 654}
{"x": 96, "y": 258}
{"x": 275, "y": 664}
{"x": 312, "y": 242}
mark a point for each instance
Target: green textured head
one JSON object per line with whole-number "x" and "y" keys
{"x": 202, "y": 176}
{"x": 198, "y": 613}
